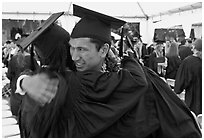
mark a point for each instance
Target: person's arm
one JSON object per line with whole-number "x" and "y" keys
{"x": 39, "y": 87}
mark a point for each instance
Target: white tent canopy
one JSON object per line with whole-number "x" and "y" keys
{"x": 151, "y": 15}
{"x": 116, "y": 9}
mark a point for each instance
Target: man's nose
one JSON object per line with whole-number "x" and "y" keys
{"x": 75, "y": 55}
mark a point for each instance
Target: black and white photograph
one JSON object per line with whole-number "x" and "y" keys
{"x": 108, "y": 69}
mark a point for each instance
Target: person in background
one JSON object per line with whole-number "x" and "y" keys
{"x": 135, "y": 48}
{"x": 129, "y": 49}
{"x": 19, "y": 62}
{"x": 9, "y": 50}
{"x": 189, "y": 77}
{"x": 114, "y": 47}
{"x": 172, "y": 39}
{"x": 157, "y": 60}
{"x": 189, "y": 43}
{"x": 151, "y": 48}
{"x": 4, "y": 53}
{"x": 140, "y": 49}
{"x": 173, "y": 61}
{"x": 112, "y": 60}
{"x": 184, "y": 50}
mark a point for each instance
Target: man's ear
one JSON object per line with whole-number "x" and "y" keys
{"x": 104, "y": 50}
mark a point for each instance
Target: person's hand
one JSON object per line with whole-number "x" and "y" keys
{"x": 40, "y": 88}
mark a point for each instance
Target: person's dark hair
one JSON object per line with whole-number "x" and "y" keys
{"x": 60, "y": 58}
{"x": 99, "y": 43}
{"x": 69, "y": 62}
{"x": 173, "y": 50}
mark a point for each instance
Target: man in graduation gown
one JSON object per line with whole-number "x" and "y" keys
{"x": 189, "y": 78}
{"x": 92, "y": 103}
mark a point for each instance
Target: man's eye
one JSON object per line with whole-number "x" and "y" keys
{"x": 81, "y": 49}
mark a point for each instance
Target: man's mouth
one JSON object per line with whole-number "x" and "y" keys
{"x": 78, "y": 65}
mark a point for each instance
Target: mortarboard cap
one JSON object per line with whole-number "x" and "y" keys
{"x": 47, "y": 36}
{"x": 94, "y": 25}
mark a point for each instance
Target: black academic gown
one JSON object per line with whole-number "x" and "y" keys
{"x": 123, "y": 104}
{"x": 173, "y": 63}
{"x": 189, "y": 77}
{"x": 16, "y": 65}
{"x": 152, "y": 62}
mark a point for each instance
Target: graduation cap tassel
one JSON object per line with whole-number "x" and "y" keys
{"x": 32, "y": 58}
{"x": 121, "y": 43}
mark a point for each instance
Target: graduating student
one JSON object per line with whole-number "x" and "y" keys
{"x": 94, "y": 103}
{"x": 157, "y": 60}
{"x": 173, "y": 61}
{"x": 184, "y": 50}
{"x": 189, "y": 77}
{"x": 51, "y": 43}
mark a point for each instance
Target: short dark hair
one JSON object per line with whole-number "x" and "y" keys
{"x": 60, "y": 58}
{"x": 99, "y": 43}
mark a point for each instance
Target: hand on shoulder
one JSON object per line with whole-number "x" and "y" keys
{"x": 40, "y": 87}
